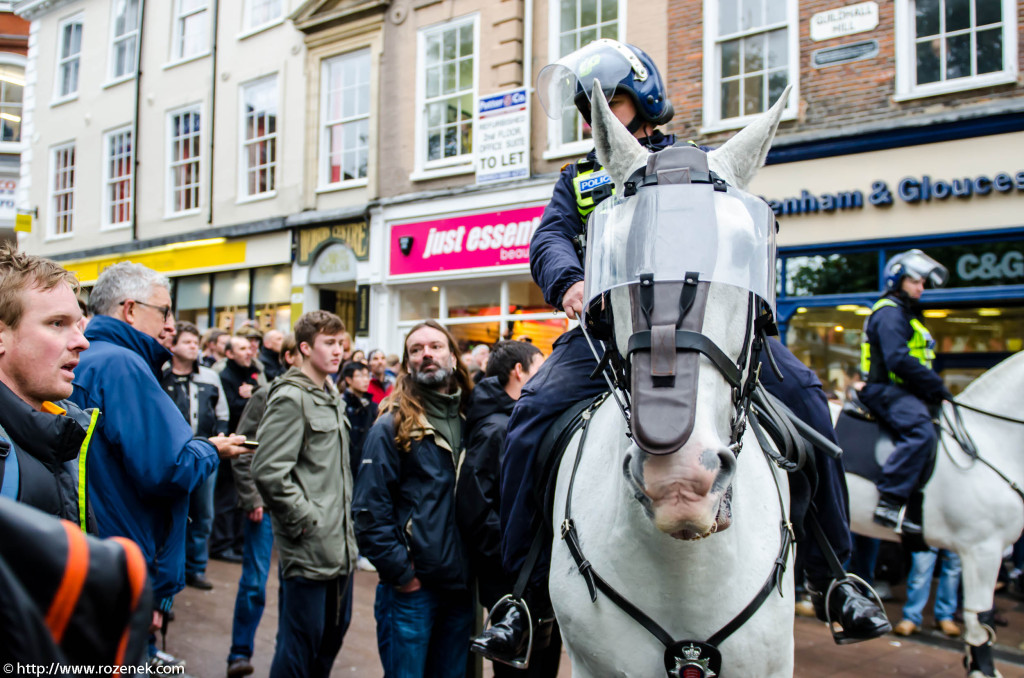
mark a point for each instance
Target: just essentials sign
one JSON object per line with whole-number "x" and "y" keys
{"x": 464, "y": 242}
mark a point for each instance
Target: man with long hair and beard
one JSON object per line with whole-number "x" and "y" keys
{"x": 404, "y": 508}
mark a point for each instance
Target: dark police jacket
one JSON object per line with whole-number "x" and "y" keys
{"x": 889, "y": 330}
{"x": 554, "y": 263}
{"x": 404, "y": 509}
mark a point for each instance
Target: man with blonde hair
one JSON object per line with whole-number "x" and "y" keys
{"x": 42, "y": 434}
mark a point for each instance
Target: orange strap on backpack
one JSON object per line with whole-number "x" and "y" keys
{"x": 66, "y": 597}
{"x": 137, "y": 578}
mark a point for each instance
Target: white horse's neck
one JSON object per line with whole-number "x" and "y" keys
{"x": 1000, "y": 390}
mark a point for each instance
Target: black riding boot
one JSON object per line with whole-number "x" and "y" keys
{"x": 891, "y": 513}
{"x": 507, "y": 640}
{"x": 859, "y": 614}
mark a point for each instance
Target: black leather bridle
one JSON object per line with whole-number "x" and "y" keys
{"x": 701, "y": 658}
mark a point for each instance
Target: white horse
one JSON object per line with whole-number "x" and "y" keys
{"x": 968, "y": 508}
{"x": 642, "y": 519}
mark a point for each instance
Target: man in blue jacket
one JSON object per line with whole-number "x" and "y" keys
{"x": 143, "y": 462}
{"x": 638, "y": 98}
{"x": 896, "y": 359}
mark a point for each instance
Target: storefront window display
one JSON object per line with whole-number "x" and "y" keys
{"x": 192, "y": 300}
{"x": 968, "y": 340}
{"x": 484, "y": 311}
{"x": 231, "y": 299}
{"x": 831, "y": 274}
{"x": 271, "y": 295}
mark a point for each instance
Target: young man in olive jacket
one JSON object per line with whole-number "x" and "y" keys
{"x": 404, "y": 510}
{"x": 301, "y": 469}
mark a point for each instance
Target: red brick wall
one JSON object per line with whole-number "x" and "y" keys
{"x": 12, "y": 25}
{"x": 831, "y": 97}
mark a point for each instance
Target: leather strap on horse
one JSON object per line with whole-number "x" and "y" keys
{"x": 692, "y": 341}
{"x": 957, "y": 403}
{"x": 596, "y": 583}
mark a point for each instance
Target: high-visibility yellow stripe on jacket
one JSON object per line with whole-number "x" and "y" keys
{"x": 921, "y": 345}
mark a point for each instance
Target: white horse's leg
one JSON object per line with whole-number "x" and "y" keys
{"x": 980, "y": 570}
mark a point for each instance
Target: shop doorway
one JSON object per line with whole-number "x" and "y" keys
{"x": 333, "y": 275}
{"x": 341, "y": 300}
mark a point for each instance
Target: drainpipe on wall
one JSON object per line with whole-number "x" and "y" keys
{"x": 528, "y": 46}
{"x": 135, "y": 121}
{"x": 214, "y": 21}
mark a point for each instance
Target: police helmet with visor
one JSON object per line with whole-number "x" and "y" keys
{"x": 621, "y": 69}
{"x": 916, "y": 265}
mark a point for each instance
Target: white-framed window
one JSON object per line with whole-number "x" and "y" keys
{"x": 12, "y": 87}
{"x": 118, "y": 177}
{"x": 446, "y": 91}
{"x": 191, "y": 29}
{"x": 258, "y": 176}
{"x": 259, "y": 13}
{"x": 124, "y": 32}
{"x": 954, "y": 45}
{"x": 62, "y": 190}
{"x": 184, "y": 153}
{"x": 574, "y": 24}
{"x": 345, "y": 118}
{"x": 751, "y": 53}
{"x": 69, "y": 53}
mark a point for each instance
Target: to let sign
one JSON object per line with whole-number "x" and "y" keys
{"x": 502, "y": 137}
{"x": 835, "y": 23}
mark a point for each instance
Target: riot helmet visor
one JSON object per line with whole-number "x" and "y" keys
{"x": 917, "y": 265}
{"x": 607, "y": 60}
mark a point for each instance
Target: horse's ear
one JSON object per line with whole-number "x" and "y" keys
{"x": 617, "y": 150}
{"x": 738, "y": 159}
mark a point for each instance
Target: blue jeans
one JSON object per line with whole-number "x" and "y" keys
{"x": 424, "y": 633}
{"x": 197, "y": 534}
{"x": 314, "y": 617}
{"x": 919, "y": 584}
{"x": 252, "y": 587}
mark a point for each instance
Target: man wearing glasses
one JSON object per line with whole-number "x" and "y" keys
{"x": 144, "y": 461}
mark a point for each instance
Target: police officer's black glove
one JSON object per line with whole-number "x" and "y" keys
{"x": 944, "y": 394}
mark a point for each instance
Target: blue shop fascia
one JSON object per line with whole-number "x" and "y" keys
{"x": 845, "y": 206}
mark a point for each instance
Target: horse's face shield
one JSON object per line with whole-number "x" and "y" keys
{"x": 667, "y": 231}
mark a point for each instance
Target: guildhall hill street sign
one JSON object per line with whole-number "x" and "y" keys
{"x": 836, "y": 23}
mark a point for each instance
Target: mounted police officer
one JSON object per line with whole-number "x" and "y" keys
{"x": 637, "y": 96}
{"x": 896, "y": 358}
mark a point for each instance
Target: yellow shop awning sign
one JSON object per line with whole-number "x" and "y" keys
{"x": 185, "y": 256}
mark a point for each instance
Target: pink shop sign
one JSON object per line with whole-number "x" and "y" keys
{"x": 471, "y": 241}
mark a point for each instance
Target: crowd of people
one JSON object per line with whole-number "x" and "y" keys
{"x": 161, "y": 447}
{"x": 195, "y": 445}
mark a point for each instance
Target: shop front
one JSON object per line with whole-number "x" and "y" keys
{"x": 470, "y": 272}
{"x": 842, "y": 218}
{"x": 218, "y": 282}
{"x": 330, "y": 260}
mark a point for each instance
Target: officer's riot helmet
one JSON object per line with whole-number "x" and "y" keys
{"x": 621, "y": 68}
{"x": 916, "y": 265}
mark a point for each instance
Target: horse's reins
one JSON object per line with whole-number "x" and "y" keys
{"x": 958, "y": 431}
{"x": 691, "y": 650}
